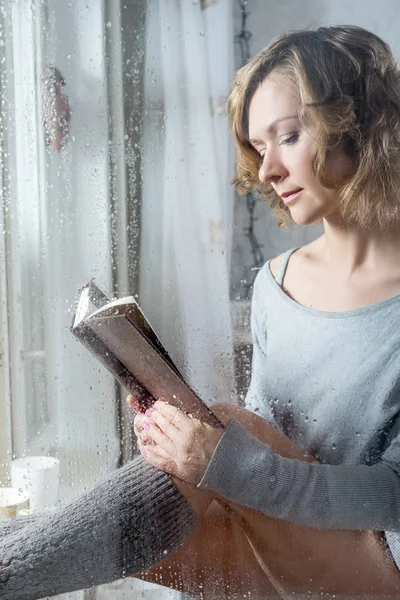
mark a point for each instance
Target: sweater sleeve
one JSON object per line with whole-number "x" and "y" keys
{"x": 247, "y": 472}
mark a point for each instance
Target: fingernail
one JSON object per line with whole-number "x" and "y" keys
{"x": 144, "y": 453}
{"x": 149, "y": 412}
{"x": 146, "y": 426}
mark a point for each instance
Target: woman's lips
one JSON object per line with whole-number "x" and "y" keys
{"x": 289, "y": 199}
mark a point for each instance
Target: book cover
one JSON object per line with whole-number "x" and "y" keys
{"x": 118, "y": 334}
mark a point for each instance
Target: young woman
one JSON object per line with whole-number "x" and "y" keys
{"x": 316, "y": 121}
{"x": 299, "y": 496}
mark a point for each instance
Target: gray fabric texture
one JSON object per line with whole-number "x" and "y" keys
{"x": 126, "y": 524}
{"x": 330, "y": 382}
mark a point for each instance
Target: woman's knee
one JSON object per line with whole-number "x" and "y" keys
{"x": 225, "y": 412}
{"x": 200, "y": 500}
{"x": 254, "y": 423}
{"x": 261, "y": 429}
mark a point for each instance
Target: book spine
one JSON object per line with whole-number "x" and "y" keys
{"x": 125, "y": 341}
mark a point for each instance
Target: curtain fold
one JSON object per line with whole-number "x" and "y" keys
{"x": 186, "y": 213}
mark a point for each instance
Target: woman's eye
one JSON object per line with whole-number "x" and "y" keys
{"x": 290, "y": 140}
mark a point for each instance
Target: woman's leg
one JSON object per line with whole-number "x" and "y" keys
{"x": 126, "y": 523}
{"x": 298, "y": 561}
{"x": 215, "y": 563}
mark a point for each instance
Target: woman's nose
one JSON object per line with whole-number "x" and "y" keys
{"x": 271, "y": 169}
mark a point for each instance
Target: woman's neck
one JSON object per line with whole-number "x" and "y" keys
{"x": 351, "y": 249}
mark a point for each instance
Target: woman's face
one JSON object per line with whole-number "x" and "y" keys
{"x": 285, "y": 150}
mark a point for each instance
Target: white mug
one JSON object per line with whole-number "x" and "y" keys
{"x": 38, "y": 476}
{"x": 12, "y": 501}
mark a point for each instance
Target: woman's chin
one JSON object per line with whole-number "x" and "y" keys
{"x": 305, "y": 218}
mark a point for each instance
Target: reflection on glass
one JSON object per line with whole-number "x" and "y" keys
{"x": 116, "y": 163}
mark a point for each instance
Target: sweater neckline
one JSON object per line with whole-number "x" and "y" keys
{"x": 355, "y": 312}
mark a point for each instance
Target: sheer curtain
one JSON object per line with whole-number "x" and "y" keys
{"x": 58, "y": 205}
{"x": 187, "y": 201}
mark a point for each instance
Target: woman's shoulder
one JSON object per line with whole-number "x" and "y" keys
{"x": 274, "y": 264}
{"x": 297, "y": 255}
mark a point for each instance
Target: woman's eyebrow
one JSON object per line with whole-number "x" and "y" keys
{"x": 271, "y": 127}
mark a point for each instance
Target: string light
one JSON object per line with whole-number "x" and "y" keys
{"x": 243, "y": 40}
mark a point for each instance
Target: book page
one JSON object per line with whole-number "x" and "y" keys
{"x": 83, "y": 306}
{"x": 86, "y": 308}
{"x": 128, "y": 300}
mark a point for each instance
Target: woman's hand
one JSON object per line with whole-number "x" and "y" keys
{"x": 176, "y": 443}
{"x": 134, "y": 404}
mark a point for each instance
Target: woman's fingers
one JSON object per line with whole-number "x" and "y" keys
{"x": 157, "y": 456}
{"x": 162, "y": 428}
{"x": 170, "y": 419}
{"x": 148, "y": 433}
{"x": 164, "y": 425}
{"x": 153, "y": 456}
{"x": 158, "y": 437}
{"x": 138, "y": 423}
{"x": 167, "y": 413}
{"x": 145, "y": 447}
{"x": 133, "y": 404}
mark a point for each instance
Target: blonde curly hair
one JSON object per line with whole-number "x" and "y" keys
{"x": 348, "y": 86}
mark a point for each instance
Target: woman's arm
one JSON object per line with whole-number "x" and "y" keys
{"x": 245, "y": 464}
{"x": 248, "y": 472}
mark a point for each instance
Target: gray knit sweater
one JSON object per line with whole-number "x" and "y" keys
{"x": 126, "y": 524}
{"x": 331, "y": 382}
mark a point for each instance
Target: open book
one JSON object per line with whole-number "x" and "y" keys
{"x": 118, "y": 334}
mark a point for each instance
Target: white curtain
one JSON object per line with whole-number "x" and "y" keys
{"x": 61, "y": 401}
{"x": 187, "y": 200}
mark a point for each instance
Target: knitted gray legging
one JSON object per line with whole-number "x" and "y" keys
{"x": 124, "y": 525}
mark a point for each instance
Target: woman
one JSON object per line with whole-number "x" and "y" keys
{"x": 308, "y": 490}
{"x": 316, "y": 121}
